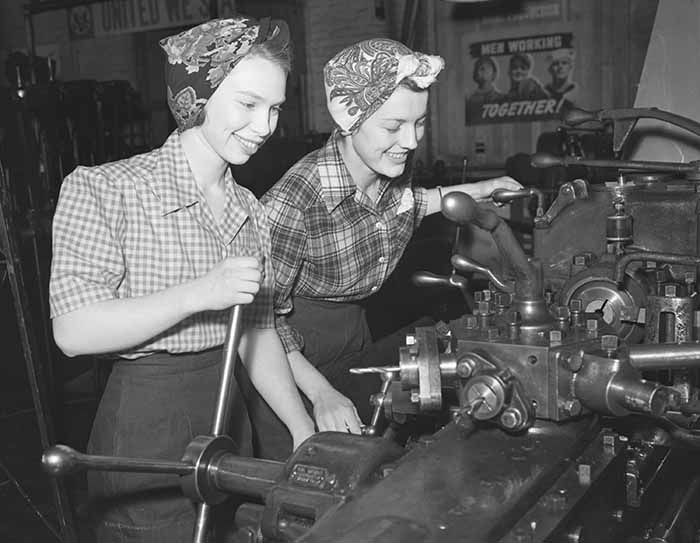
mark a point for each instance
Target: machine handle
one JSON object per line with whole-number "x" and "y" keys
{"x": 504, "y": 196}
{"x": 61, "y": 460}
{"x": 465, "y": 265}
{"x": 547, "y": 160}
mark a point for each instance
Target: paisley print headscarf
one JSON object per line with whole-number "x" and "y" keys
{"x": 360, "y": 78}
{"x": 200, "y": 58}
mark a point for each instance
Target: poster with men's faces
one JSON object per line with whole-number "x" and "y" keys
{"x": 528, "y": 78}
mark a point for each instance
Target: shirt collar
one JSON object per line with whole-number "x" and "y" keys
{"x": 172, "y": 178}
{"x": 336, "y": 182}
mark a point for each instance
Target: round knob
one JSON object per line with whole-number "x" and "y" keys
{"x": 458, "y": 207}
{"x": 61, "y": 460}
{"x": 546, "y": 160}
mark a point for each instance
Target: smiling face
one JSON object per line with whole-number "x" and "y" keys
{"x": 384, "y": 140}
{"x": 519, "y": 69}
{"x": 243, "y": 111}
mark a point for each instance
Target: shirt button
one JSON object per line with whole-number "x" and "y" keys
{"x": 380, "y": 224}
{"x": 382, "y": 259}
{"x": 374, "y": 288}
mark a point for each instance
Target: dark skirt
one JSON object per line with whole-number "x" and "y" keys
{"x": 152, "y": 408}
{"x": 336, "y": 338}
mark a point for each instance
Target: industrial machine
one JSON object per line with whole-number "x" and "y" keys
{"x": 565, "y": 408}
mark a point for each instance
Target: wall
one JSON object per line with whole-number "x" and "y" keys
{"x": 610, "y": 40}
{"x": 671, "y": 81}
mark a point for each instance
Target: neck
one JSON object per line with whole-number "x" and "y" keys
{"x": 208, "y": 168}
{"x": 361, "y": 175}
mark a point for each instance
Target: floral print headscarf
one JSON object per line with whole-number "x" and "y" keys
{"x": 200, "y": 58}
{"x": 360, "y": 78}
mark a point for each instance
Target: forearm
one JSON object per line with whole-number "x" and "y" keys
{"x": 270, "y": 373}
{"x": 311, "y": 382}
{"x": 120, "y": 324}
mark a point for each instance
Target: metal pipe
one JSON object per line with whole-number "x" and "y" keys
{"x": 665, "y": 258}
{"x": 223, "y": 403}
{"x": 656, "y": 356}
{"x": 252, "y": 477}
{"x": 546, "y": 160}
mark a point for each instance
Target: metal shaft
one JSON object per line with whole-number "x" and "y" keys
{"x": 223, "y": 402}
{"x": 655, "y": 356}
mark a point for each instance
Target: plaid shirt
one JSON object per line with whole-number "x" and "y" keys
{"x": 140, "y": 225}
{"x": 329, "y": 240}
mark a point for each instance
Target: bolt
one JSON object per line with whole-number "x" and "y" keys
{"x": 562, "y": 312}
{"x": 592, "y": 325}
{"x": 502, "y": 299}
{"x": 576, "y": 304}
{"x": 511, "y": 418}
{"x": 410, "y": 339}
{"x": 464, "y": 368}
{"x": 471, "y": 322}
{"x": 492, "y": 333}
{"x": 554, "y": 337}
{"x": 584, "y": 474}
{"x": 478, "y": 296}
{"x": 670, "y": 290}
{"x": 583, "y": 259}
{"x": 609, "y": 343}
{"x": 487, "y": 295}
{"x": 415, "y": 396}
{"x": 548, "y": 297}
{"x": 483, "y": 308}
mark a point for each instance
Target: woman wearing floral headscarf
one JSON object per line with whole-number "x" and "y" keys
{"x": 150, "y": 253}
{"x": 341, "y": 218}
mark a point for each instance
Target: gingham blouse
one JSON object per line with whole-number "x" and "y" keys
{"x": 139, "y": 225}
{"x": 329, "y": 240}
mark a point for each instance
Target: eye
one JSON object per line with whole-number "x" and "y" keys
{"x": 247, "y": 105}
{"x": 392, "y": 129}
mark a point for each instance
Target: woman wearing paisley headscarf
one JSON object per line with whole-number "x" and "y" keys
{"x": 150, "y": 253}
{"x": 341, "y": 218}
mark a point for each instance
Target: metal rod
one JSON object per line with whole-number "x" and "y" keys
{"x": 252, "y": 477}
{"x": 654, "y": 356}
{"x": 665, "y": 258}
{"x": 222, "y": 412}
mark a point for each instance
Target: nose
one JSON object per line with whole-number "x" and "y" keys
{"x": 409, "y": 136}
{"x": 264, "y": 122}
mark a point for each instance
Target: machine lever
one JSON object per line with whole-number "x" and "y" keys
{"x": 426, "y": 279}
{"x": 464, "y": 264}
{"x": 547, "y": 160}
{"x": 504, "y": 196}
{"x": 61, "y": 460}
{"x": 568, "y": 194}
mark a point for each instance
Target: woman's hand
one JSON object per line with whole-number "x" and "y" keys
{"x": 334, "y": 412}
{"x": 483, "y": 190}
{"x": 234, "y": 280}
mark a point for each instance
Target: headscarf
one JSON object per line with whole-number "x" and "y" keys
{"x": 200, "y": 58}
{"x": 360, "y": 78}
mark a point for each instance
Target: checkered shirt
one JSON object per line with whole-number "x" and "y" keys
{"x": 329, "y": 240}
{"x": 140, "y": 225}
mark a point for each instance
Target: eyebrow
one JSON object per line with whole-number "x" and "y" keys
{"x": 256, "y": 96}
{"x": 399, "y": 120}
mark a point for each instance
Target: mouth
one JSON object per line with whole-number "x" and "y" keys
{"x": 251, "y": 146}
{"x": 397, "y": 157}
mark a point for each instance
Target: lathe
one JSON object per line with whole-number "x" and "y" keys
{"x": 564, "y": 408}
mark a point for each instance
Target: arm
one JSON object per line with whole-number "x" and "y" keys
{"x": 120, "y": 324}
{"x": 332, "y": 410}
{"x": 480, "y": 191}
{"x": 264, "y": 357}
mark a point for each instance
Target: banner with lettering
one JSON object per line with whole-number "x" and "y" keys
{"x": 111, "y": 17}
{"x": 520, "y": 79}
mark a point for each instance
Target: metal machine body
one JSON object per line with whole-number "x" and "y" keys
{"x": 564, "y": 408}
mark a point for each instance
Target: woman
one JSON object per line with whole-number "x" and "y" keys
{"x": 523, "y": 85}
{"x": 341, "y": 218}
{"x": 149, "y": 255}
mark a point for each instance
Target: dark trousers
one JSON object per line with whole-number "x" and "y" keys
{"x": 152, "y": 408}
{"x": 336, "y": 338}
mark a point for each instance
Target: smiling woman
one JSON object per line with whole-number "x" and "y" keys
{"x": 168, "y": 243}
{"x": 341, "y": 218}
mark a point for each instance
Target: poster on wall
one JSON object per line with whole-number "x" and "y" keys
{"x": 528, "y": 78}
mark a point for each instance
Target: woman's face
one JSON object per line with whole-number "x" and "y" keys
{"x": 518, "y": 70}
{"x": 243, "y": 111}
{"x": 385, "y": 139}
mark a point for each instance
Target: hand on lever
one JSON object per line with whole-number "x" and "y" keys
{"x": 234, "y": 280}
{"x": 483, "y": 190}
{"x": 336, "y": 413}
